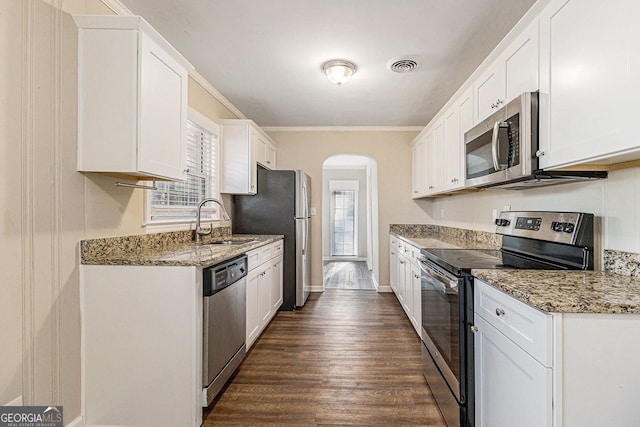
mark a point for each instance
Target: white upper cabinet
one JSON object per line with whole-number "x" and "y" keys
{"x": 244, "y": 145}
{"x": 515, "y": 71}
{"x": 457, "y": 120}
{"x": 131, "y": 117}
{"x": 590, "y": 82}
{"x": 418, "y": 167}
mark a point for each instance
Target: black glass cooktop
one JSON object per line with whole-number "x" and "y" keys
{"x": 459, "y": 261}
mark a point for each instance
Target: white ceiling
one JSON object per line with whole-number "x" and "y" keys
{"x": 265, "y": 56}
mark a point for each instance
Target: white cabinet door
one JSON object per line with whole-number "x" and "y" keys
{"x": 514, "y": 72}
{"x": 271, "y": 154}
{"x": 131, "y": 118}
{"x": 408, "y": 289}
{"x": 418, "y": 167}
{"x": 393, "y": 264}
{"x": 260, "y": 146}
{"x": 238, "y": 167}
{"x": 264, "y": 294}
{"x": 417, "y": 298}
{"x": 163, "y": 118}
{"x": 521, "y": 63}
{"x": 253, "y": 319}
{"x": 276, "y": 284}
{"x": 489, "y": 91}
{"x": 453, "y": 178}
{"x": 512, "y": 388}
{"x": 590, "y": 81}
{"x": 402, "y": 265}
{"x": 435, "y": 159}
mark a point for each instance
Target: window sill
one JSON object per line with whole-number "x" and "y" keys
{"x": 163, "y": 226}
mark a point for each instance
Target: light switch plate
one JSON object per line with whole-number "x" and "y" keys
{"x": 313, "y": 211}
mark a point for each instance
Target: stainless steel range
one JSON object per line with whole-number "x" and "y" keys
{"x": 531, "y": 240}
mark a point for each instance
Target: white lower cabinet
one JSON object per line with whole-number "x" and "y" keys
{"x": 141, "y": 345}
{"x": 264, "y": 288}
{"x": 404, "y": 277}
{"x": 553, "y": 369}
{"x": 512, "y": 388}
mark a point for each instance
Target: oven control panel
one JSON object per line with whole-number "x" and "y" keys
{"x": 561, "y": 227}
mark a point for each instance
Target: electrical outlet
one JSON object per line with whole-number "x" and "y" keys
{"x": 506, "y": 208}
{"x": 495, "y": 214}
{"x": 313, "y": 211}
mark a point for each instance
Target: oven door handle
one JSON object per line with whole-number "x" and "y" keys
{"x": 450, "y": 285}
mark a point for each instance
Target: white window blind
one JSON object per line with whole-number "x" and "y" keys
{"x": 175, "y": 201}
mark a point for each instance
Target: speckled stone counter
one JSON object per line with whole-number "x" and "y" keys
{"x": 568, "y": 291}
{"x": 437, "y": 237}
{"x": 172, "y": 251}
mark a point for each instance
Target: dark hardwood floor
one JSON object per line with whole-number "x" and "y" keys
{"x": 347, "y": 358}
{"x": 347, "y": 275}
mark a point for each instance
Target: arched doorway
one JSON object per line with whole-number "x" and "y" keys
{"x": 350, "y": 222}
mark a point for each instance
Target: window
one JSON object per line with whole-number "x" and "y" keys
{"x": 177, "y": 202}
{"x": 344, "y": 217}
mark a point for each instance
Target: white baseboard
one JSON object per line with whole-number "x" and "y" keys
{"x": 317, "y": 288}
{"x": 385, "y": 288}
{"x": 78, "y": 422}
{"x": 375, "y": 282}
{"x": 15, "y": 402}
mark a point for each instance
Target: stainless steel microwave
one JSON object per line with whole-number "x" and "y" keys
{"x": 501, "y": 152}
{"x": 502, "y": 147}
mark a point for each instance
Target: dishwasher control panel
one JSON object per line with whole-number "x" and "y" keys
{"x": 219, "y": 276}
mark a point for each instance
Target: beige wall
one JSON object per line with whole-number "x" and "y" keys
{"x": 47, "y": 207}
{"x": 308, "y": 150}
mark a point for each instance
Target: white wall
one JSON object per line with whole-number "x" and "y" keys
{"x": 360, "y": 176}
{"x": 615, "y": 200}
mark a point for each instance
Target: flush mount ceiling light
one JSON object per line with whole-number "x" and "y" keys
{"x": 338, "y": 70}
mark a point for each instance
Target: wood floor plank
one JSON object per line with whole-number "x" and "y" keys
{"x": 349, "y": 357}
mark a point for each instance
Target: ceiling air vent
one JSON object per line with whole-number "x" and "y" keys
{"x": 404, "y": 64}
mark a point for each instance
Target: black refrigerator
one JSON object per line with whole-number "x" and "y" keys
{"x": 281, "y": 206}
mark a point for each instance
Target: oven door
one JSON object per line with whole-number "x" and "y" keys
{"x": 442, "y": 309}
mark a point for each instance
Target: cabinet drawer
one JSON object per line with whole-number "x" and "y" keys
{"x": 527, "y": 327}
{"x": 277, "y": 248}
{"x": 258, "y": 256}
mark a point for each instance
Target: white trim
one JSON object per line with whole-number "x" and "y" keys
{"x": 117, "y": 7}
{"x": 342, "y": 128}
{"x": 77, "y": 422}
{"x": 317, "y": 288}
{"x": 15, "y": 402}
{"x": 375, "y": 282}
{"x": 214, "y": 92}
{"x": 385, "y": 288}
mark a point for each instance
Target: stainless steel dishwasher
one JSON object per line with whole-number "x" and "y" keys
{"x": 224, "y": 315}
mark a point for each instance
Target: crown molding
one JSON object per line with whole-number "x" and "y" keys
{"x": 342, "y": 128}
{"x": 117, "y": 7}
{"x": 217, "y": 95}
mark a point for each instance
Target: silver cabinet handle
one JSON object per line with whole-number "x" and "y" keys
{"x": 401, "y": 262}
{"x": 473, "y": 328}
{"x": 499, "y": 312}
{"x": 539, "y": 153}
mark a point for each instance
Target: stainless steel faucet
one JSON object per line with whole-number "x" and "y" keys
{"x": 199, "y": 231}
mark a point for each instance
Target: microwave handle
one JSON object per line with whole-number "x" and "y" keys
{"x": 494, "y": 146}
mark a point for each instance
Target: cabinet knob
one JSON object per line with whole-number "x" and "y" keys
{"x": 499, "y": 312}
{"x": 493, "y": 106}
{"x": 187, "y": 170}
{"x": 416, "y": 276}
{"x": 473, "y": 328}
{"x": 268, "y": 162}
{"x": 539, "y": 153}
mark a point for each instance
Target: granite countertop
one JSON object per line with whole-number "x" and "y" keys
{"x": 568, "y": 291}
{"x": 179, "y": 254}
